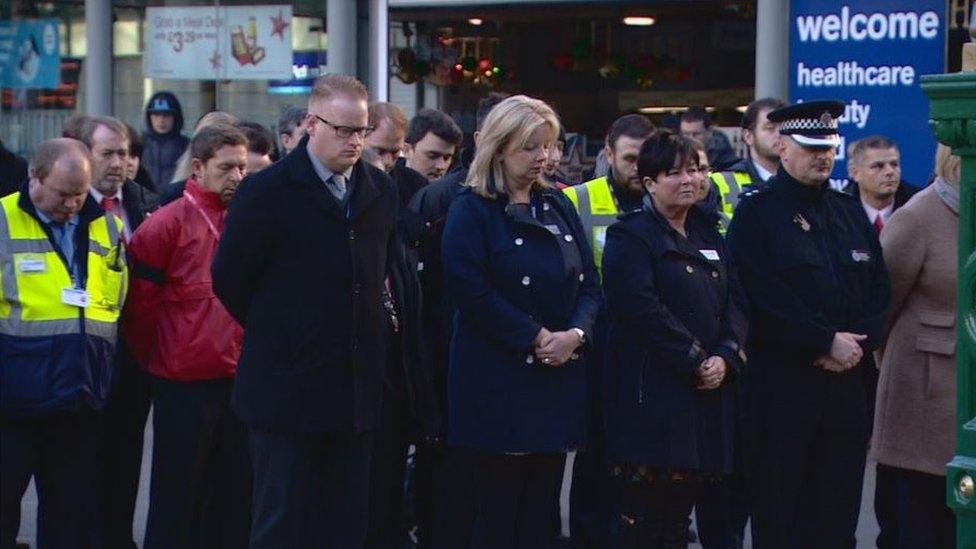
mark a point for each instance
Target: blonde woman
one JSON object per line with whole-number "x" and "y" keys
{"x": 517, "y": 265}
{"x": 915, "y": 412}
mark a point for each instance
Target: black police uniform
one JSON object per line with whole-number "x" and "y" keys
{"x": 811, "y": 266}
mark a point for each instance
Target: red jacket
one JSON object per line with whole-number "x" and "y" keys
{"x": 174, "y": 324}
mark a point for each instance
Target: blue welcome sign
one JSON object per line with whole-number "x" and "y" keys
{"x": 871, "y": 54}
{"x": 30, "y": 54}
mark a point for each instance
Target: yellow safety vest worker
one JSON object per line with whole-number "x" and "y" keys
{"x": 56, "y": 354}
{"x": 597, "y": 210}
{"x": 730, "y": 186}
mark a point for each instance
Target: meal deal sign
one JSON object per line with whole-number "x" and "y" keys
{"x": 219, "y": 43}
{"x": 871, "y": 55}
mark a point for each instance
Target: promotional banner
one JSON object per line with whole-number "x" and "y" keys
{"x": 219, "y": 43}
{"x": 30, "y": 54}
{"x": 871, "y": 55}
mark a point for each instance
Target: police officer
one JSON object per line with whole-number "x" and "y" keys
{"x": 63, "y": 283}
{"x": 812, "y": 268}
{"x": 760, "y": 134}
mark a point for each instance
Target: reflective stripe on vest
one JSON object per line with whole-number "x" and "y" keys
{"x": 597, "y": 211}
{"x": 730, "y": 185}
{"x": 33, "y": 275}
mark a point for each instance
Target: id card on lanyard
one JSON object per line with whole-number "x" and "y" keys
{"x": 196, "y": 206}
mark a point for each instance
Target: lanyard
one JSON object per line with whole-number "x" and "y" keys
{"x": 196, "y": 205}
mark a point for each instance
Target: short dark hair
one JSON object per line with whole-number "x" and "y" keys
{"x": 92, "y": 124}
{"x": 259, "y": 138}
{"x": 209, "y": 140}
{"x": 856, "y": 149}
{"x": 485, "y": 106}
{"x": 74, "y": 126}
{"x": 662, "y": 150}
{"x": 135, "y": 142}
{"x": 435, "y": 122}
{"x": 697, "y": 114}
{"x": 751, "y": 117}
{"x": 290, "y": 118}
{"x": 634, "y": 126}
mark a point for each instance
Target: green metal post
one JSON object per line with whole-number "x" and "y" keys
{"x": 953, "y": 121}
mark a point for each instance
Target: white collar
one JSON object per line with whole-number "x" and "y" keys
{"x": 98, "y": 196}
{"x": 885, "y": 212}
{"x": 763, "y": 173}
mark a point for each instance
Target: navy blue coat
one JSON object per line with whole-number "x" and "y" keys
{"x": 670, "y": 308}
{"x": 305, "y": 281}
{"x": 508, "y": 280}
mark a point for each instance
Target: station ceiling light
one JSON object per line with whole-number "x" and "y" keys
{"x": 476, "y": 21}
{"x": 638, "y": 21}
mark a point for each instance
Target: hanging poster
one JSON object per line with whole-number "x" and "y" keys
{"x": 30, "y": 54}
{"x": 219, "y": 43}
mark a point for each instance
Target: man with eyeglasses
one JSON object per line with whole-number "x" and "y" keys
{"x": 302, "y": 264}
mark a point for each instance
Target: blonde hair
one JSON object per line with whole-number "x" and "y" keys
{"x": 509, "y": 123}
{"x": 212, "y": 118}
{"x": 947, "y": 165}
{"x": 328, "y": 86}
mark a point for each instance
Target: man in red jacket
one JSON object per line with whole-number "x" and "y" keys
{"x": 189, "y": 344}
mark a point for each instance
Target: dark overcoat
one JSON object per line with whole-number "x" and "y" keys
{"x": 305, "y": 277}
{"x": 672, "y": 302}
{"x": 508, "y": 279}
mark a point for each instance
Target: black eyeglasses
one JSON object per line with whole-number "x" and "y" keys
{"x": 345, "y": 132}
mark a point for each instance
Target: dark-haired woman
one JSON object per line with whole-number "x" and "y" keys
{"x": 677, "y": 328}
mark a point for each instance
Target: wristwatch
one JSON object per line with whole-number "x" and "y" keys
{"x": 581, "y": 334}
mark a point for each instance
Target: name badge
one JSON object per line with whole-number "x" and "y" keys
{"x": 860, "y": 256}
{"x": 554, "y": 229}
{"x": 75, "y": 297}
{"x": 31, "y": 264}
{"x": 710, "y": 254}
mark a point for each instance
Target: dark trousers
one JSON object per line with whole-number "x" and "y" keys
{"x": 721, "y": 512}
{"x": 515, "y": 497}
{"x": 651, "y": 515}
{"x": 911, "y": 510}
{"x": 807, "y": 474}
{"x": 310, "y": 490}
{"x": 387, "y": 518}
{"x": 59, "y": 451}
{"x": 201, "y": 482}
{"x": 120, "y": 455}
{"x": 455, "y": 504}
{"x": 589, "y": 499}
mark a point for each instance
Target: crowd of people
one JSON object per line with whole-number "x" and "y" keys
{"x": 359, "y": 334}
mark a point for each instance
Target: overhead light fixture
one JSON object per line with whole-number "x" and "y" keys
{"x": 660, "y": 110}
{"x": 476, "y": 21}
{"x": 635, "y": 21}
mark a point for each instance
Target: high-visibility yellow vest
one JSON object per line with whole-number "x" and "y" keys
{"x": 597, "y": 210}
{"x": 33, "y": 275}
{"x": 730, "y": 186}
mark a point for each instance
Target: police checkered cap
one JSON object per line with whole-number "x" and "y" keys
{"x": 813, "y": 124}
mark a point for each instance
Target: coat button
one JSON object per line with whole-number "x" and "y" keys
{"x": 689, "y": 268}
{"x": 352, "y": 234}
{"x": 526, "y": 281}
{"x": 427, "y": 224}
{"x": 714, "y": 274}
{"x": 568, "y": 238}
{"x": 545, "y": 206}
{"x": 582, "y": 276}
{"x": 529, "y": 359}
{"x": 519, "y": 242}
